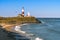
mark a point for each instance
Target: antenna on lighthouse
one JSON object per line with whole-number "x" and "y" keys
{"x": 22, "y": 9}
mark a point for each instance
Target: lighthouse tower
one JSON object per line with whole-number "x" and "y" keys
{"x": 23, "y": 12}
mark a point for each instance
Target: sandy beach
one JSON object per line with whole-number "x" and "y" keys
{"x": 8, "y": 27}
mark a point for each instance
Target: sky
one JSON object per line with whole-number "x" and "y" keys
{"x": 37, "y": 8}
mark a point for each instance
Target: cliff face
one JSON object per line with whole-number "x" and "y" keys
{"x": 14, "y": 20}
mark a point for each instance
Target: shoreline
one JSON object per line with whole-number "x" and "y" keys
{"x": 12, "y": 30}
{"x": 19, "y": 34}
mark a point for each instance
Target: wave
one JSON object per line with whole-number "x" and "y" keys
{"x": 53, "y": 30}
{"x": 42, "y": 21}
{"x": 24, "y": 33}
{"x": 38, "y": 38}
{"x": 18, "y": 28}
{"x": 49, "y": 25}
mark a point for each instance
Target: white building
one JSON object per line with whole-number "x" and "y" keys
{"x": 28, "y": 14}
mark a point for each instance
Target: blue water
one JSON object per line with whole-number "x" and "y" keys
{"x": 49, "y": 29}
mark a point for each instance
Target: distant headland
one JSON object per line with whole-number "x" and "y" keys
{"x": 21, "y": 18}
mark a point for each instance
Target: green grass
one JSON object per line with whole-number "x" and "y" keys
{"x": 15, "y": 20}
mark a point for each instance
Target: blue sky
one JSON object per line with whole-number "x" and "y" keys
{"x": 37, "y": 8}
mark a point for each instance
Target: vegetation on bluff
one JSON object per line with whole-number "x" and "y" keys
{"x": 14, "y": 20}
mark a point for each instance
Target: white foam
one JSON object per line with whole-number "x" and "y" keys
{"x": 42, "y": 21}
{"x": 17, "y": 28}
{"x": 22, "y": 31}
{"x": 30, "y": 35}
{"x": 38, "y": 38}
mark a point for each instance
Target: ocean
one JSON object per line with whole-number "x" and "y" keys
{"x": 49, "y": 29}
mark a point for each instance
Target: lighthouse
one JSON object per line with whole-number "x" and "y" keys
{"x": 22, "y": 11}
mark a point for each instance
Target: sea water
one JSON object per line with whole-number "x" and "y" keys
{"x": 49, "y": 29}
